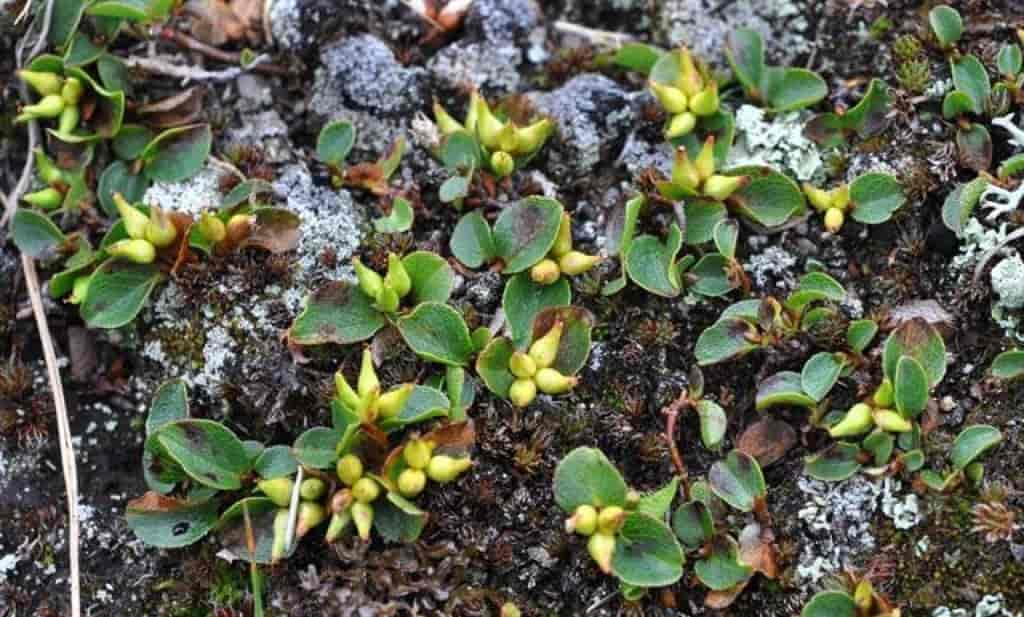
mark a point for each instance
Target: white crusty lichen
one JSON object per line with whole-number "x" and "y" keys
{"x": 838, "y": 519}
{"x": 1008, "y": 282}
{"x": 904, "y": 511}
{"x": 992, "y": 605}
{"x": 1016, "y": 133}
{"x": 778, "y": 142}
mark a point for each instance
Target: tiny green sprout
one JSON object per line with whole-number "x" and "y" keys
{"x": 388, "y": 290}
{"x": 366, "y": 400}
{"x": 698, "y": 177}
{"x": 79, "y": 290}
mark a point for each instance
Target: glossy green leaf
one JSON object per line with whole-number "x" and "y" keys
{"x": 170, "y": 404}
{"x": 651, "y": 263}
{"x": 276, "y": 462}
{"x": 837, "y": 462}
{"x": 876, "y": 197}
{"x": 460, "y": 152}
{"x": 814, "y": 287}
{"x": 1009, "y": 364}
{"x": 117, "y": 292}
{"x": 710, "y": 276}
{"x": 820, "y": 373}
{"x": 234, "y": 532}
{"x": 523, "y": 299}
{"x": 34, "y": 233}
{"x": 492, "y": 366}
{"x": 971, "y": 78}
{"x": 397, "y": 519}
{"x": 525, "y": 232}
{"x": 693, "y": 524}
{"x": 647, "y": 554}
{"x": 783, "y": 388}
{"x": 913, "y": 460}
{"x": 62, "y": 283}
{"x": 114, "y": 74}
{"x": 770, "y": 199}
{"x": 722, "y": 569}
{"x": 744, "y": 49}
{"x": 82, "y": 51}
{"x": 208, "y": 452}
{"x": 638, "y": 57}
{"x": 972, "y": 442}
{"x": 786, "y": 89}
{"x": 830, "y": 604}
{"x": 424, "y": 403}
{"x": 701, "y": 218}
{"x": 432, "y": 277}
{"x": 960, "y": 203}
{"x": 335, "y": 141}
{"x": 118, "y": 178}
{"x": 436, "y": 333}
{"x": 737, "y": 481}
{"x": 177, "y": 154}
{"x": 658, "y": 503}
{"x": 974, "y": 147}
{"x": 713, "y": 423}
{"x": 1009, "y": 60}
{"x": 400, "y": 219}
{"x": 317, "y": 447}
{"x": 946, "y": 24}
{"x": 167, "y": 522}
{"x": 131, "y": 141}
{"x": 869, "y": 116}
{"x": 723, "y": 341}
{"x": 956, "y": 103}
{"x": 64, "y": 21}
{"x": 911, "y": 387}
{"x": 726, "y": 234}
{"x": 132, "y": 10}
{"x": 880, "y": 444}
{"x": 860, "y": 333}
{"x": 339, "y": 313}
{"x": 920, "y": 340}
{"x": 586, "y": 476}
{"x": 472, "y": 241}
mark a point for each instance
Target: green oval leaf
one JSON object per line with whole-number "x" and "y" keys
{"x": 317, "y": 447}
{"x": 1009, "y": 364}
{"x": 787, "y": 89}
{"x": 436, "y": 333}
{"x": 339, "y": 313}
{"x": 651, "y": 264}
{"x": 276, "y": 462}
{"x": 118, "y": 178}
{"x": 586, "y": 476}
{"x": 819, "y": 374}
{"x": 911, "y": 387}
{"x": 701, "y": 218}
{"x": 693, "y": 524}
{"x": 970, "y": 77}
{"x": 770, "y": 199}
{"x": 710, "y": 276}
{"x": 860, "y": 333}
{"x": 460, "y": 152}
{"x": 177, "y": 154}
{"x": 523, "y": 299}
{"x": 814, "y": 287}
{"x": 453, "y": 189}
{"x": 722, "y": 569}
{"x": 472, "y": 241}
{"x": 830, "y": 604}
{"x": 880, "y": 444}
{"x": 131, "y": 141}
{"x": 744, "y": 49}
{"x": 117, "y": 292}
{"x": 170, "y": 404}
{"x": 208, "y": 452}
{"x": 946, "y": 24}
{"x": 82, "y": 51}
{"x": 525, "y": 232}
{"x": 234, "y": 532}
{"x": 658, "y": 503}
{"x": 400, "y": 219}
{"x": 876, "y": 197}
{"x": 920, "y": 340}
{"x": 972, "y": 442}
{"x": 35, "y": 234}
{"x": 424, "y": 403}
{"x": 335, "y": 141}
{"x": 1009, "y": 60}
{"x": 974, "y": 147}
{"x": 713, "y": 423}
{"x": 397, "y": 519}
{"x": 960, "y": 203}
{"x": 492, "y": 366}
{"x": 737, "y": 480}
{"x": 783, "y": 388}
{"x": 837, "y": 462}
{"x": 723, "y": 341}
{"x": 638, "y": 57}
{"x": 432, "y": 277}
{"x": 167, "y": 522}
{"x": 647, "y": 554}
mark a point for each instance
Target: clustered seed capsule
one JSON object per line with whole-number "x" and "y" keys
{"x": 59, "y": 98}
{"x": 562, "y": 258}
{"x": 875, "y": 412}
{"x": 386, "y": 291}
{"x": 692, "y": 95}
{"x": 834, "y": 204}
{"x": 533, "y": 370}
{"x": 600, "y": 525}
{"x": 366, "y": 399}
{"x": 506, "y": 146}
{"x": 698, "y": 176}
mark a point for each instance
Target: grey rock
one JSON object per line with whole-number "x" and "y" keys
{"x": 362, "y": 73}
{"x": 491, "y": 68}
{"x": 501, "y": 20}
{"x": 254, "y": 90}
{"x": 266, "y": 131}
{"x": 591, "y": 112}
{"x": 639, "y": 154}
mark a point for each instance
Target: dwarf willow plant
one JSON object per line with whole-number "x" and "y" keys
{"x": 633, "y": 537}
{"x": 486, "y": 139}
{"x": 686, "y": 91}
{"x": 333, "y": 145}
{"x": 869, "y": 117}
{"x": 858, "y": 598}
{"x": 774, "y": 87}
{"x": 870, "y": 199}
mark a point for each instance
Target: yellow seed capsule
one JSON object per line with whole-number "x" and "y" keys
{"x": 339, "y": 522}
{"x": 44, "y": 83}
{"x": 238, "y": 228}
{"x": 365, "y": 490}
{"x": 863, "y": 596}
{"x": 397, "y": 276}
{"x": 417, "y": 453}
{"x": 530, "y": 138}
{"x": 545, "y": 272}
{"x": 722, "y": 187}
{"x": 135, "y": 221}
{"x": 79, "y": 290}
{"x": 834, "y": 219}
{"x": 563, "y": 241}
{"x": 368, "y": 410}
{"x": 705, "y": 161}
{"x": 277, "y": 490}
{"x": 368, "y": 381}
{"x": 522, "y": 392}
{"x": 609, "y": 519}
{"x": 502, "y": 164}
{"x": 472, "y": 115}
{"x": 575, "y": 262}
{"x": 684, "y": 172}
{"x": 387, "y": 299}
{"x": 392, "y": 403}
{"x": 443, "y": 468}
{"x": 841, "y": 196}
{"x": 819, "y": 198}
{"x": 47, "y": 199}
{"x": 671, "y": 98}
{"x": 507, "y": 140}
{"x": 522, "y": 365}
{"x": 311, "y": 514}
{"x": 550, "y": 381}
{"x": 49, "y": 106}
{"x": 47, "y": 170}
{"x": 509, "y": 609}
{"x": 891, "y": 421}
{"x": 544, "y": 349}
{"x": 362, "y": 516}
{"x": 312, "y": 489}
{"x": 341, "y": 500}
{"x": 344, "y": 392}
{"x": 350, "y": 469}
{"x": 601, "y": 547}
{"x": 445, "y": 123}
{"x": 488, "y": 127}
{"x": 706, "y": 102}
{"x": 278, "y": 548}
{"x": 680, "y": 124}
{"x": 883, "y": 397}
{"x": 138, "y": 251}
{"x": 369, "y": 281}
{"x": 856, "y": 422}
{"x": 71, "y": 91}
{"x": 583, "y": 521}
{"x": 68, "y": 120}
{"x": 411, "y": 482}
{"x": 160, "y": 231}
{"x": 690, "y": 80}
{"x": 212, "y": 228}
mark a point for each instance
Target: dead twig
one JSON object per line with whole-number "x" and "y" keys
{"x": 671, "y": 413}
{"x": 188, "y": 73}
{"x": 228, "y": 57}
